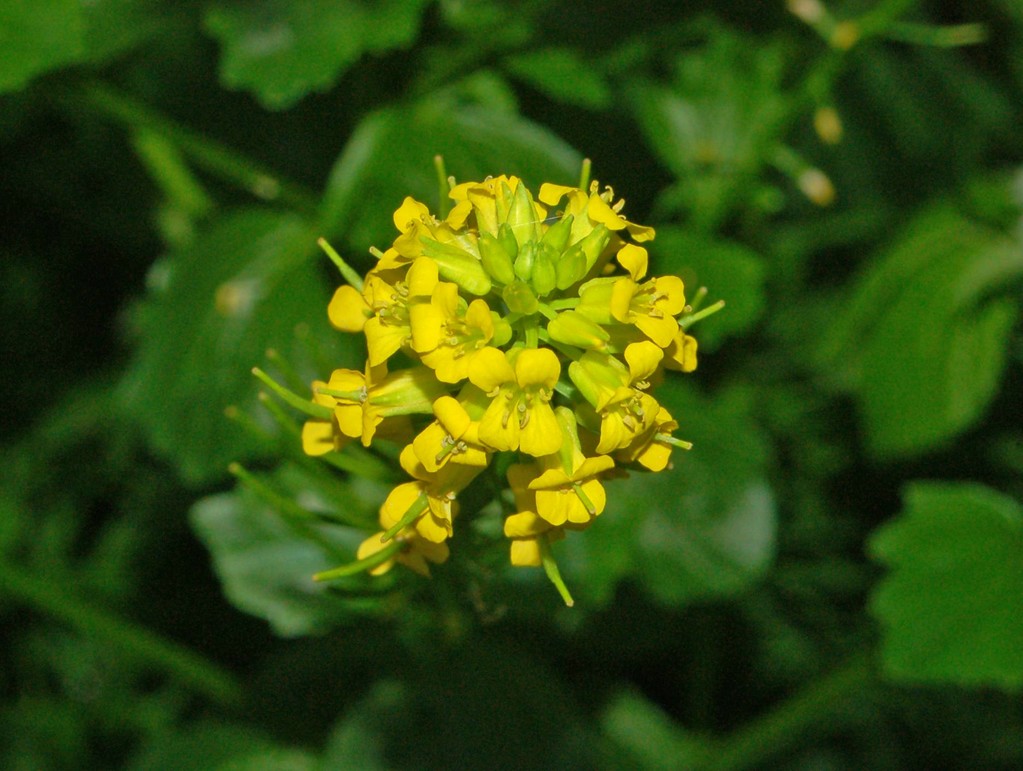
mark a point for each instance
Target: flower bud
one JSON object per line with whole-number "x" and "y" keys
{"x": 543, "y": 276}
{"x": 573, "y": 328}
{"x": 520, "y": 298}
{"x": 458, "y": 266}
{"x": 571, "y": 267}
{"x": 524, "y": 262}
{"x": 557, "y": 235}
{"x": 522, "y": 217}
{"x": 495, "y": 260}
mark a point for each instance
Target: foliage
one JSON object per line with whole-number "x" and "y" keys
{"x": 832, "y": 576}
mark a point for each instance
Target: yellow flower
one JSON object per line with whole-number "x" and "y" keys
{"x": 652, "y": 449}
{"x": 452, "y": 438}
{"x": 440, "y": 489}
{"x": 651, "y": 306}
{"x": 681, "y": 354}
{"x": 416, "y": 552}
{"x": 520, "y": 416}
{"x": 448, "y": 336}
{"x": 322, "y": 435}
{"x": 593, "y": 209}
{"x": 568, "y": 489}
{"x": 362, "y": 400}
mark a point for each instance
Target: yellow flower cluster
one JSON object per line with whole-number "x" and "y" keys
{"x": 527, "y": 326}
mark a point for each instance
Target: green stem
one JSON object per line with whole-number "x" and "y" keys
{"x": 59, "y": 602}
{"x": 550, "y": 567}
{"x": 348, "y": 273}
{"x": 443, "y": 186}
{"x": 213, "y": 157}
{"x": 786, "y": 724}
{"x": 359, "y": 566}
{"x": 310, "y": 408}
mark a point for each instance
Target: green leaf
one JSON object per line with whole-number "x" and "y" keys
{"x": 240, "y": 288}
{"x": 562, "y": 75}
{"x": 281, "y": 51}
{"x": 701, "y": 530}
{"x": 950, "y": 606}
{"x": 199, "y": 747}
{"x": 924, "y": 337}
{"x": 717, "y": 126}
{"x": 38, "y": 36}
{"x": 648, "y": 738}
{"x": 728, "y": 270}
{"x": 391, "y": 154}
{"x": 266, "y": 562}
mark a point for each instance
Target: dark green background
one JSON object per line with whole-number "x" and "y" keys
{"x": 831, "y": 579}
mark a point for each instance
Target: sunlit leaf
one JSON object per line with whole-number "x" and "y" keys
{"x": 282, "y": 51}
{"x": 950, "y": 605}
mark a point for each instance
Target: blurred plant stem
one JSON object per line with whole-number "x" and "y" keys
{"x": 208, "y": 154}
{"x": 790, "y": 722}
{"x": 57, "y": 601}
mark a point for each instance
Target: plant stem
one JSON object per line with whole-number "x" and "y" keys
{"x": 787, "y": 723}
{"x": 144, "y": 645}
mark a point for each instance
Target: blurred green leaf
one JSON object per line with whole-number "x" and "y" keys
{"x": 728, "y": 270}
{"x": 277, "y": 759}
{"x": 717, "y": 124}
{"x": 38, "y": 36}
{"x": 359, "y": 739}
{"x": 202, "y": 746}
{"x": 281, "y": 51}
{"x": 648, "y": 737}
{"x": 240, "y": 288}
{"x": 113, "y": 26}
{"x": 266, "y": 564}
{"x": 391, "y": 156}
{"x": 950, "y": 607}
{"x": 923, "y": 339}
{"x": 563, "y": 75}
{"x": 703, "y": 529}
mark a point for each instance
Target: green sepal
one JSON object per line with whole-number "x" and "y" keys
{"x": 573, "y": 328}
{"x": 522, "y": 217}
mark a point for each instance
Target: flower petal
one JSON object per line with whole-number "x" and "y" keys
{"x": 541, "y": 435}
{"x": 634, "y": 259}
{"x": 537, "y": 366}
{"x": 490, "y": 369}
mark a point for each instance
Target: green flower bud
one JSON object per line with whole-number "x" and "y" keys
{"x": 543, "y": 277}
{"x": 524, "y": 262}
{"x": 458, "y": 266}
{"x": 520, "y": 298}
{"x": 496, "y": 261}
{"x": 507, "y": 239}
{"x": 558, "y": 234}
{"x": 522, "y": 217}
{"x": 594, "y": 244}
{"x": 573, "y": 328}
{"x": 571, "y": 267}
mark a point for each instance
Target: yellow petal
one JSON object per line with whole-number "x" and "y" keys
{"x": 682, "y": 353}
{"x": 348, "y": 310}
{"x": 494, "y": 433}
{"x": 383, "y": 340}
{"x": 349, "y": 419}
{"x": 541, "y": 435}
{"x": 490, "y": 369}
{"x": 622, "y": 292}
{"x": 426, "y": 324}
{"x": 643, "y": 358}
{"x": 526, "y": 553}
{"x": 537, "y": 366}
{"x": 555, "y": 505}
{"x": 398, "y": 501}
{"x": 409, "y": 214}
{"x": 550, "y": 193}
{"x": 662, "y": 331}
{"x": 317, "y": 437}
{"x": 525, "y": 524}
{"x": 634, "y": 259}
{"x": 428, "y": 446}
{"x": 371, "y": 546}
{"x": 422, "y": 277}
{"x": 452, "y": 416}
{"x": 674, "y": 291}
{"x": 599, "y": 211}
